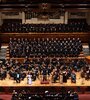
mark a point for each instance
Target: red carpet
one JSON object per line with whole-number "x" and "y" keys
{"x": 5, "y": 97}
{"x": 84, "y": 97}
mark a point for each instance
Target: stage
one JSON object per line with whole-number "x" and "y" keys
{"x": 81, "y": 85}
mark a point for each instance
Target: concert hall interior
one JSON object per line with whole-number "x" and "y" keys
{"x": 44, "y": 49}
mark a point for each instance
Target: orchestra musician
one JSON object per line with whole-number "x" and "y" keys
{"x": 61, "y": 78}
{"x": 73, "y": 77}
{"x": 55, "y": 75}
{"x": 18, "y": 77}
{"x": 64, "y": 76}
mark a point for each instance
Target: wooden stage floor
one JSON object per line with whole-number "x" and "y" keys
{"x": 11, "y": 83}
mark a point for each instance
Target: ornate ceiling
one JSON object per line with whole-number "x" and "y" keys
{"x": 64, "y": 4}
{"x": 47, "y": 1}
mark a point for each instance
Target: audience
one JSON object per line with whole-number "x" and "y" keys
{"x": 66, "y": 47}
{"x": 62, "y": 95}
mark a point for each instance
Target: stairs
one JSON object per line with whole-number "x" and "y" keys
{"x": 3, "y": 52}
{"x": 86, "y": 49}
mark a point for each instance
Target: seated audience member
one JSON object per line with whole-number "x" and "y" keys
{"x": 14, "y": 95}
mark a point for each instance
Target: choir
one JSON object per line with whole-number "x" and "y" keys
{"x": 66, "y": 47}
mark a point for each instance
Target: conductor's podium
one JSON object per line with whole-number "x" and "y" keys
{"x": 44, "y": 82}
